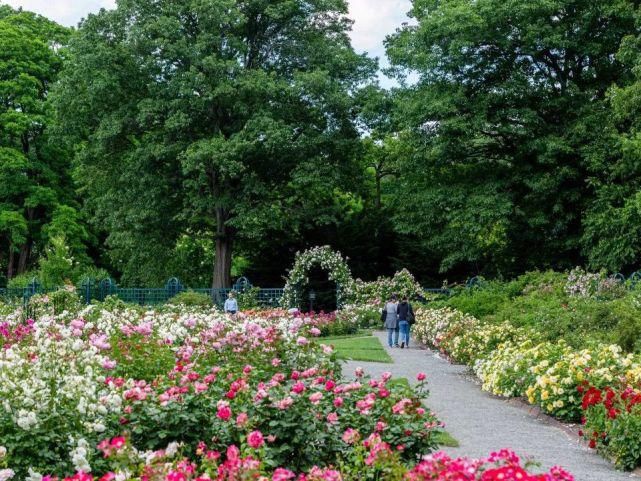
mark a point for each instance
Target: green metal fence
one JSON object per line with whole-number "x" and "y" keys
{"x": 90, "y": 291}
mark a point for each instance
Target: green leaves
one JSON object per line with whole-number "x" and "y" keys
{"x": 34, "y": 173}
{"x": 501, "y": 126}
{"x": 218, "y": 116}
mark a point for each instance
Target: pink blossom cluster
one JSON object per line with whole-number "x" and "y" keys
{"x": 13, "y": 334}
{"x": 503, "y": 465}
{"x": 235, "y": 465}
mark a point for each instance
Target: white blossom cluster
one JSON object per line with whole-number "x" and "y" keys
{"x": 57, "y": 374}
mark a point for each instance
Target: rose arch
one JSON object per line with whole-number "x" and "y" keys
{"x": 330, "y": 261}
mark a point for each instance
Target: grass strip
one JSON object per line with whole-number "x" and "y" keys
{"x": 360, "y": 348}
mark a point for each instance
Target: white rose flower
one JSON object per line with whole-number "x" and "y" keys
{"x": 6, "y": 474}
{"x": 172, "y": 449}
{"x": 33, "y": 476}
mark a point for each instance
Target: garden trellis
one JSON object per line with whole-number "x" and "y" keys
{"x": 330, "y": 261}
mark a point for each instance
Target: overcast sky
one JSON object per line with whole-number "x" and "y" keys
{"x": 374, "y": 18}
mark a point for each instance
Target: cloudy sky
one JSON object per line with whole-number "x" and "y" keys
{"x": 374, "y": 18}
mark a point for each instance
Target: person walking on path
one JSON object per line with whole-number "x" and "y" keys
{"x": 405, "y": 320}
{"x": 391, "y": 321}
{"x": 231, "y": 305}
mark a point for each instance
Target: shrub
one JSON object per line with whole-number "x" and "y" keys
{"x": 58, "y": 266}
{"x": 62, "y": 301}
{"x": 613, "y": 423}
{"x": 113, "y": 303}
{"x": 479, "y": 302}
{"x": 187, "y": 375}
{"x": 361, "y": 315}
{"x": 191, "y": 299}
{"x": 22, "y": 280}
{"x": 402, "y": 283}
{"x": 248, "y": 299}
{"x": 364, "y": 459}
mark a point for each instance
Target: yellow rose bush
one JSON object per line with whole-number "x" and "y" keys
{"x": 511, "y": 361}
{"x": 556, "y": 389}
{"x": 461, "y": 337}
{"x": 507, "y": 371}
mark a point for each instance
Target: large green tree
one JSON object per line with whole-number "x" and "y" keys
{"x": 506, "y": 120}
{"x": 612, "y": 225}
{"x": 227, "y": 120}
{"x": 35, "y": 185}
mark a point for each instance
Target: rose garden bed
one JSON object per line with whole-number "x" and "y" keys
{"x": 115, "y": 392}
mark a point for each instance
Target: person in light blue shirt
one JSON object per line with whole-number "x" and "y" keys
{"x": 231, "y": 305}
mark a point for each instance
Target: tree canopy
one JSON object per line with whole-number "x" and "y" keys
{"x": 233, "y": 119}
{"x": 508, "y": 120}
{"x": 206, "y": 139}
{"x": 35, "y": 172}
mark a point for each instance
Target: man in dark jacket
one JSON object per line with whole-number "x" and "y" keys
{"x": 405, "y": 319}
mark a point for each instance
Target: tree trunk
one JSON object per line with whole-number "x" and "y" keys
{"x": 10, "y": 266}
{"x": 378, "y": 191}
{"x": 24, "y": 257}
{"x": 224, "y": 244}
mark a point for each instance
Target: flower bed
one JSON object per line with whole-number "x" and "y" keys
{"x": 569, "y": 384}
{"x": 175, "y": 375}
{"x": 370, "y": 458}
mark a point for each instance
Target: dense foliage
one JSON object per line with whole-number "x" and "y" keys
{"x": 507, "y": 158}
{"x": 210, "y": 139}
{"x": 567, "y": 343}
{"x": 578, "y": 307}
{"x": 375, "y": 460}
{"x": 224, "y": 121}
{"x": 39, "y": 210}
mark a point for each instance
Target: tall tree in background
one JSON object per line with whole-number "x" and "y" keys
{"x": 224, "y": 119}
{"x": 507, "y": 118}
{"x": 612, "y": 234}
{"x": 35, "y": 182}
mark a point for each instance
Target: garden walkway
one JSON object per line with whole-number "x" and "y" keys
{"x": 483, "y": 423}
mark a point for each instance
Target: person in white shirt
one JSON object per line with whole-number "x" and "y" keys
{"x": 231, "y": 304}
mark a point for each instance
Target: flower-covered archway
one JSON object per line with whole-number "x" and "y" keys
{"x": 330, "y": 261}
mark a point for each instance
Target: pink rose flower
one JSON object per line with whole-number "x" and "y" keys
{"x": 298, "y": 388}
{"x": 350, "y": 436}
{"x": 255, "y": 439}
{"x": 316, "y": 397}
{"x": 241, "y": 419}
{"x": 282, "y": 474}
{"x": 224, "y": 412}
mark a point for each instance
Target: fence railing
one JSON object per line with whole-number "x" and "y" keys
{"x": 90, "y": 291}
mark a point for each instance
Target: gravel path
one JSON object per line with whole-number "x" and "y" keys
{"x": 483, "y": 423}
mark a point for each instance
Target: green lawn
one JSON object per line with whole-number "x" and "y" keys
{"x": 358, "y": 348}
{"x": 443, "y": 438}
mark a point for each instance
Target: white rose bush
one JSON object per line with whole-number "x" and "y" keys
{"x": 194, "y": 378}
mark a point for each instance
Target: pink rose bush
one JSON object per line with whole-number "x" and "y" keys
{"x": 175, "y": 375}
{"x": 372, "y": 459}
